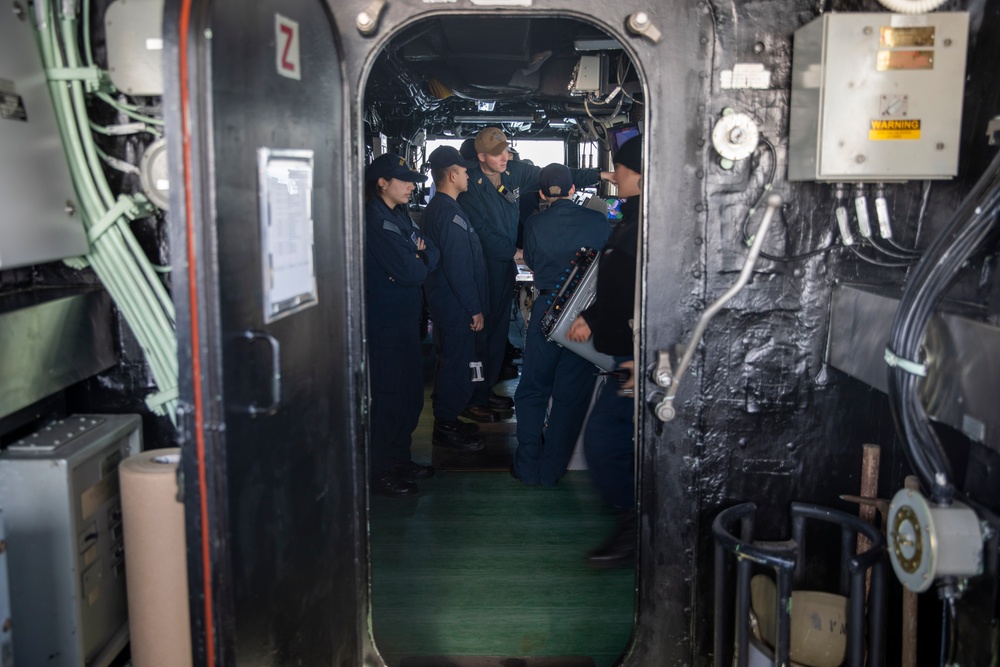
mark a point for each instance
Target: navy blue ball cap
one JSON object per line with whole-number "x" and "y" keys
{"x": 391, "y": 165}
{"x": 555, "y": 180}
{"x": 468, "y": 150}
{"x": 443, "y": 157}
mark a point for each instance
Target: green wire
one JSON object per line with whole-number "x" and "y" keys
{"x": 116, "y": 256}
{"x": 87, "y": 51}
{"x": 106, "y": 130}
{"x": 126, "y": 110}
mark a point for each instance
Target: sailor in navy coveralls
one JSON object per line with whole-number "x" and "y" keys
{"x": 546, "y": 436}
{"x": 456, "y": 295}
{"x": 398, "y": 259}
{"x": 492, "y": 202}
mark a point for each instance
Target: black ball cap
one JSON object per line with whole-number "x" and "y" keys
{"x": 389, "y": 166}
{"x": 630, "y": 154}
{"x": 443, "y": 157}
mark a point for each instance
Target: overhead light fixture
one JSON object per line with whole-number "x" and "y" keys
{"x": 596, "y": 44}
{"x": 587, "y": 75}
{"x": 494, "y": 119}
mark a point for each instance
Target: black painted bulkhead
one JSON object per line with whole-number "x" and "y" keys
{"x": 777, "y": 423}
{"x": 765, "y": 418}
{"x": 761, "y": 418}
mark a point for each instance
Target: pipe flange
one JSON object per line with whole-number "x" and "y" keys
{"x": 154, "y": 175}
{"x": 735, "y": 136}
{"x": 927, "y": 542}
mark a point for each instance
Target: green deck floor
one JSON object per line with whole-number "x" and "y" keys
{"x": 478, "y": 564}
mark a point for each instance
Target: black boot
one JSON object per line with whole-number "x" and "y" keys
{"x": 480, "y": 413}
{"x": 449, "y": 434}
{"x": 498, "y": 402}
{"x": 392, "y": 485}
{"x": 619, "y": 549}
{"x": 411, "y": 471}
{"x": 467, "y": 428}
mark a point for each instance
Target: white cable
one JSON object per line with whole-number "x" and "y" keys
{"x": 911, "y": 6}
{"x": 845, "y": 225}
{"x": 882, "y": 211}
{"x": 861, "y": 209}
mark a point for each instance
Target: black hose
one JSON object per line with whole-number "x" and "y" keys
{"x": 942, "y": 260}
{"x": 878, "y": 262}
{"x": 892, "y": 251}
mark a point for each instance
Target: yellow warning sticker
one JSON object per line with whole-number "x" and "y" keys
{"x": 882, "y": 130}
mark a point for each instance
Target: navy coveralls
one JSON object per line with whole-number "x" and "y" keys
{"x": 495, "y": 220}
{"x": 551, "y": 239}
{"x": 608, "y": 440}
{"x": 456, "y": 291}
{"x": 394, "y": 274}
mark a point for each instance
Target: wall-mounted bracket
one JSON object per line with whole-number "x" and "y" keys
{"x": 641, "y": 24}
{"x": 367, "y": 21}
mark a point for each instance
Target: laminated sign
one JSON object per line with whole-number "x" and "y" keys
{"x": 880, "y": 130}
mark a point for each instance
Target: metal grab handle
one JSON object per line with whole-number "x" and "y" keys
{"x": 272, "y": 407}
{"x": 665, "y": 410}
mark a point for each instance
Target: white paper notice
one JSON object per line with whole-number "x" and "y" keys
{"x": 745, "y": 75}
{"x": 287, "y": 231}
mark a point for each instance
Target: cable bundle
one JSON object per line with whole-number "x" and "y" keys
{"x": 965, "y": 231}
{"x": 115, "y": 254}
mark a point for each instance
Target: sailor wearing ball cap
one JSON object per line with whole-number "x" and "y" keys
{"x": 397, "y": 260}
{"x": 492, "y": 202}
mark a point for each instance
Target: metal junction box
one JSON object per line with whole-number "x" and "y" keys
{"x": 6, "y": 623}
{"x": 37, "y": 222}
{"x": 877, "y": 97}
{"x": 62, "y": 510}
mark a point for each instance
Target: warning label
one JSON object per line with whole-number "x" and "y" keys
{"x": 881, "y": 130}
{"x": 11, "y": 104}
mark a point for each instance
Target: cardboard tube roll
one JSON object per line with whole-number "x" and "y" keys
{"x": 155, "y": 560}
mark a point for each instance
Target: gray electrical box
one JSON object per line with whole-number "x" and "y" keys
{"x": 39, "y": 221}
{"x": 588, "y": 75}
{"x": 62, "y": 510}
{"x": 877, "y": 97}
{"x": 134, "y": 33}
{"x": 6, "y": 623}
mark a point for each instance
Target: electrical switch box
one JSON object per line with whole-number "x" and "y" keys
{"x": 39, "y": 216}
{"x": 587, "y": 76}
{"x": 877, "y": 97}
{"x": 134, "y": 31}
{"x": 62, "y": 513}
{"x": 6, "y": 622}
